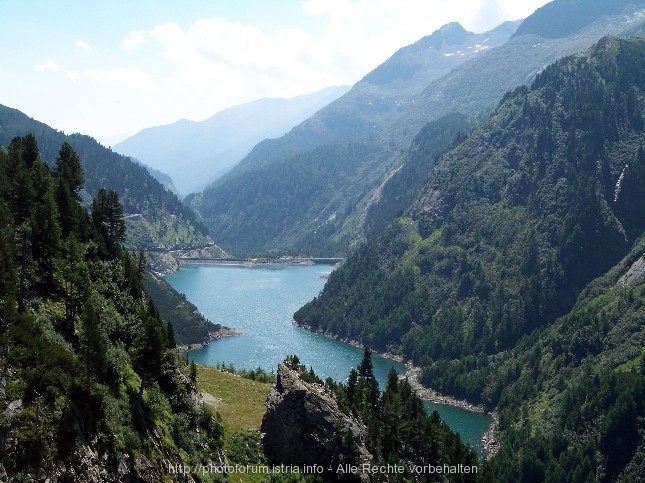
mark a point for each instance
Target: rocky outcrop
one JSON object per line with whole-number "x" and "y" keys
{"x": 304, "y": 426}
{"x": 635, "y": 272}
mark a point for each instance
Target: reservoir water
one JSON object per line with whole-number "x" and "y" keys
{"x": 260, "y": 302}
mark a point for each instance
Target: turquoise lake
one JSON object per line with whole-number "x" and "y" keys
{"x": 260, "y": 302}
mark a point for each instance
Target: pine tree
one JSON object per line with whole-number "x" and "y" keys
{"x": 93, "y": 347}
{"x": 150, "y": 347}
{"x": 29, "y": 149}
{"x": 67, "y": 207}
{"x": 367, "y": 383}
{"x": 107, "y": 217}
{"x": 70, "y": 177}
{"x": 44, "y": 220}
{"x": 69, "y": 169}
{"x": 170, "y": 336}
{"x": 20, "y": 193}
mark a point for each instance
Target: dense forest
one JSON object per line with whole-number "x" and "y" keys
{"x": 92, "y": 388}
{"x": 572, "y": 396}
{"x": 511, "y": 226}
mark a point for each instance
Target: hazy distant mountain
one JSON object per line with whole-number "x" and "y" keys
{"x": 194, "y": 153}
{"x": 253, "y": 208}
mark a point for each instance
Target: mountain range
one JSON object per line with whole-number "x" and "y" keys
{"x": 320, "y": 172}
{"x": 289, "y": 195}
{"x": 195, "y": 153}
{"x": 515, "y": 277}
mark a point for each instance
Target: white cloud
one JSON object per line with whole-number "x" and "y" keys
{"x": 130, "y": 77}
{"x": 134, "y": 40}
{"x": 48, "y": 66}
{"x": 82, "y": 45}
{"x": 237, "y": 63}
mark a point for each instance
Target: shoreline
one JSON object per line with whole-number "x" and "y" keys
{"x": 489, "y": 439}
{"x": 212, "y": 336}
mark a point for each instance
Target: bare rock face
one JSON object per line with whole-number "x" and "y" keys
{"x": 635, "y": 272}
{"x": 303, "y": 426}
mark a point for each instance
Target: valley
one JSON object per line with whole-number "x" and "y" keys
{"x": 440, "y": 266}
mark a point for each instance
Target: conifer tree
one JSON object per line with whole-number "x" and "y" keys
{"x": 107, "y": 217}
{"x": 69, "y": 169}
{"x": 93, "y": 347}
{"x": 29, "y": 149}
{"x": 170, "y": 336}
{"x": 44, "y": 220}
{"x": 367, "y": 383}
{"x": 20, "y": 193}
{"x": 67, "y": 208}
{"x": 70, "y": 178}
{"x": 150, "y": 347}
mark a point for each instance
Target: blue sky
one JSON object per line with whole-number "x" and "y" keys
{"x": 112, "y": 68}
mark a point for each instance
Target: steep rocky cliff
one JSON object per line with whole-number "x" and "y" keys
{"x": 303, "y": 425}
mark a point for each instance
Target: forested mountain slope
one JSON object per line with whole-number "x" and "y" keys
{"x": 92, "y": 387}
{"x": 164, "y": 222}
{"x": 572, "y": 396}
{"x": 509, "y": 229}
{"x": 472, "y": 89}
{"x": 155, "y": 219}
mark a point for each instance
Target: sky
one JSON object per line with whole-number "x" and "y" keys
{"x": 112, "y": 68}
